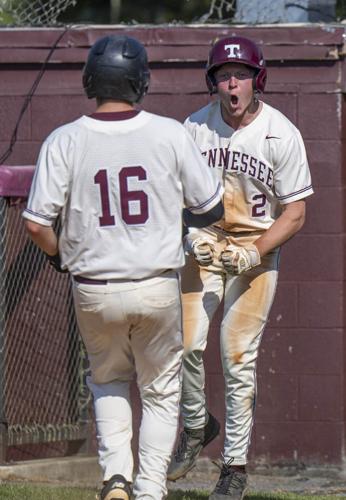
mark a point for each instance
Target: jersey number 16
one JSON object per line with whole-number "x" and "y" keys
{"x": 125, "y": 195}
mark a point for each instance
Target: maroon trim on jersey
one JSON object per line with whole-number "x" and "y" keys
{"x": 89, "y": 281}
{"x": 113, "y": 116}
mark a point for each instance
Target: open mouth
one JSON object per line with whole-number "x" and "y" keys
{"x": 234, "y": 100}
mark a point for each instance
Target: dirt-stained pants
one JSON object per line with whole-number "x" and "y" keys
{"x": 247, "y": 302}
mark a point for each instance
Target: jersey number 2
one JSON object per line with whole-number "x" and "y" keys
{"x": 126, "y": 196}
{"x": 258, "y": 209}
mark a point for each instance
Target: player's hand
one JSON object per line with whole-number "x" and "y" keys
{"x": 54, "y": 261}
{"x": 203, "y": 250}
{"x": 237, "y": 260}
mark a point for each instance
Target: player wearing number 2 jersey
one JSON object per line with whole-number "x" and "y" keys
{"x": 259, "y": 156}
{"x": 119, "y": 179}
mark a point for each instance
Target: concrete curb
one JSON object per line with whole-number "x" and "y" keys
{"x": 76, "y": 471}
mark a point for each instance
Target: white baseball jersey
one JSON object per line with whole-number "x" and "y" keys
{"x": 119, "y": 182}
{"x": 262, "y": 165}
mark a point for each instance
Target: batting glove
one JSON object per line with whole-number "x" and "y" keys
{"x": 54, "y": 261}
{"x": 201, "y": 247}
{"x": 237, "y": 260}
{"x": 203, "y": 250}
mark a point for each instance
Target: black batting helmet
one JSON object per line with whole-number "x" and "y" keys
{"x": 117, "y": 68}
{"x": 236, "y": 49}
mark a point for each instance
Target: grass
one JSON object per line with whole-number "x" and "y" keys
{"x": 12, "y": 491}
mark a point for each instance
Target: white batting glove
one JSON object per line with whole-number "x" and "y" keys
{"x": 201, "y": 247}
{"x": 203, "y": 250}
{"x": 237, "y": 260}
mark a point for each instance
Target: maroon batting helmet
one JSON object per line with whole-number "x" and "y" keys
{"x": 236, "y": 49}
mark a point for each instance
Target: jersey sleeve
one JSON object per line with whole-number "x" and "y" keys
{"x": 292, "y": 179}
{"x": 49, "y": 187}
{"x": 202, "y": 190}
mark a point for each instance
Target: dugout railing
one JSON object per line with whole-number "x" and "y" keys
{"x": 43, "y": 394}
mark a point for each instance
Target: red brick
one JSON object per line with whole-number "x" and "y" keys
{"x": 300, "y": 74}
{"x": 306, "y": 442}
{"x": 321, "y": 305}
{"x": 10, "y": 107}
{"x": 49, "y": 113}
{"x": 320, "y": 398}
{"x": 324, "y": 211}
{"x": 295, "y": 351}
{"x": 312, "y": 258}
{"x": 175, "y": 106}
{"x": 315, "y": 111}
{"x": 343, "y": 127}
{"x": 284, "y": 311}
{"x": 170, "y": 80}
{"x": 24, "y": 153}
{"x": 277, "y": 398}
{"x": 285, "y": 103}
{"x": 325, "y": 162}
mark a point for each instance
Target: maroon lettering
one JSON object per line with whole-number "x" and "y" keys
{"x": 212, "y": 157}
{"x": 269, "y": 180}
{"x": 224, "y": 157}
{"x": 106, "y": 218}
{"x": 244, "y": 162}
{"x": 234, "y": 164}
{"x": 252, "y": 169}
{"x": 257, "y": 208}
{"x": 261, "y": 168}
{"x": 127, "y": 196}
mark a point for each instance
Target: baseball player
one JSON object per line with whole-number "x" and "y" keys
{"x": 119, "y": 180}
{"x": 259, "y": 156}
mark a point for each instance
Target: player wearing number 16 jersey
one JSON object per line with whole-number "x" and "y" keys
{"x": 119, "y": 179}
{"x": 259, "y": 156}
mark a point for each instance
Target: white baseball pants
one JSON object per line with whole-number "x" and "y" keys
{"x": 247, "y": 302}
{"x": 134, "y": 327}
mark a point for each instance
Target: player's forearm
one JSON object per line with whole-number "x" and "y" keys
{"x": 287, "y": 225}
{"x": 43, "y": 236}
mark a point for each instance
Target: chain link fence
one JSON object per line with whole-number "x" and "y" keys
{"x": 47, "y": 13}
{"x": 33, "y": 12}
{"x": 43, "y": 394}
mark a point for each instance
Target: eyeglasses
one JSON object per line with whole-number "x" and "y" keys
{"x": 227, "y": 75}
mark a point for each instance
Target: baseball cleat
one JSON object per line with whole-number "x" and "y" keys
{"x": 191, "y": 442}
{"x": 116, "y": 488}
{"x": 232, "y": 484}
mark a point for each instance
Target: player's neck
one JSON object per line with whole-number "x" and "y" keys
{"x": 113, "y": 106}
{"x": 240, "y": 121}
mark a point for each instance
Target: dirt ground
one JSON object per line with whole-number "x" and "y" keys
{"x": 310, "y": 481}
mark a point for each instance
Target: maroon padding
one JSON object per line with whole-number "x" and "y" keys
{"x": 16, "y": 181}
